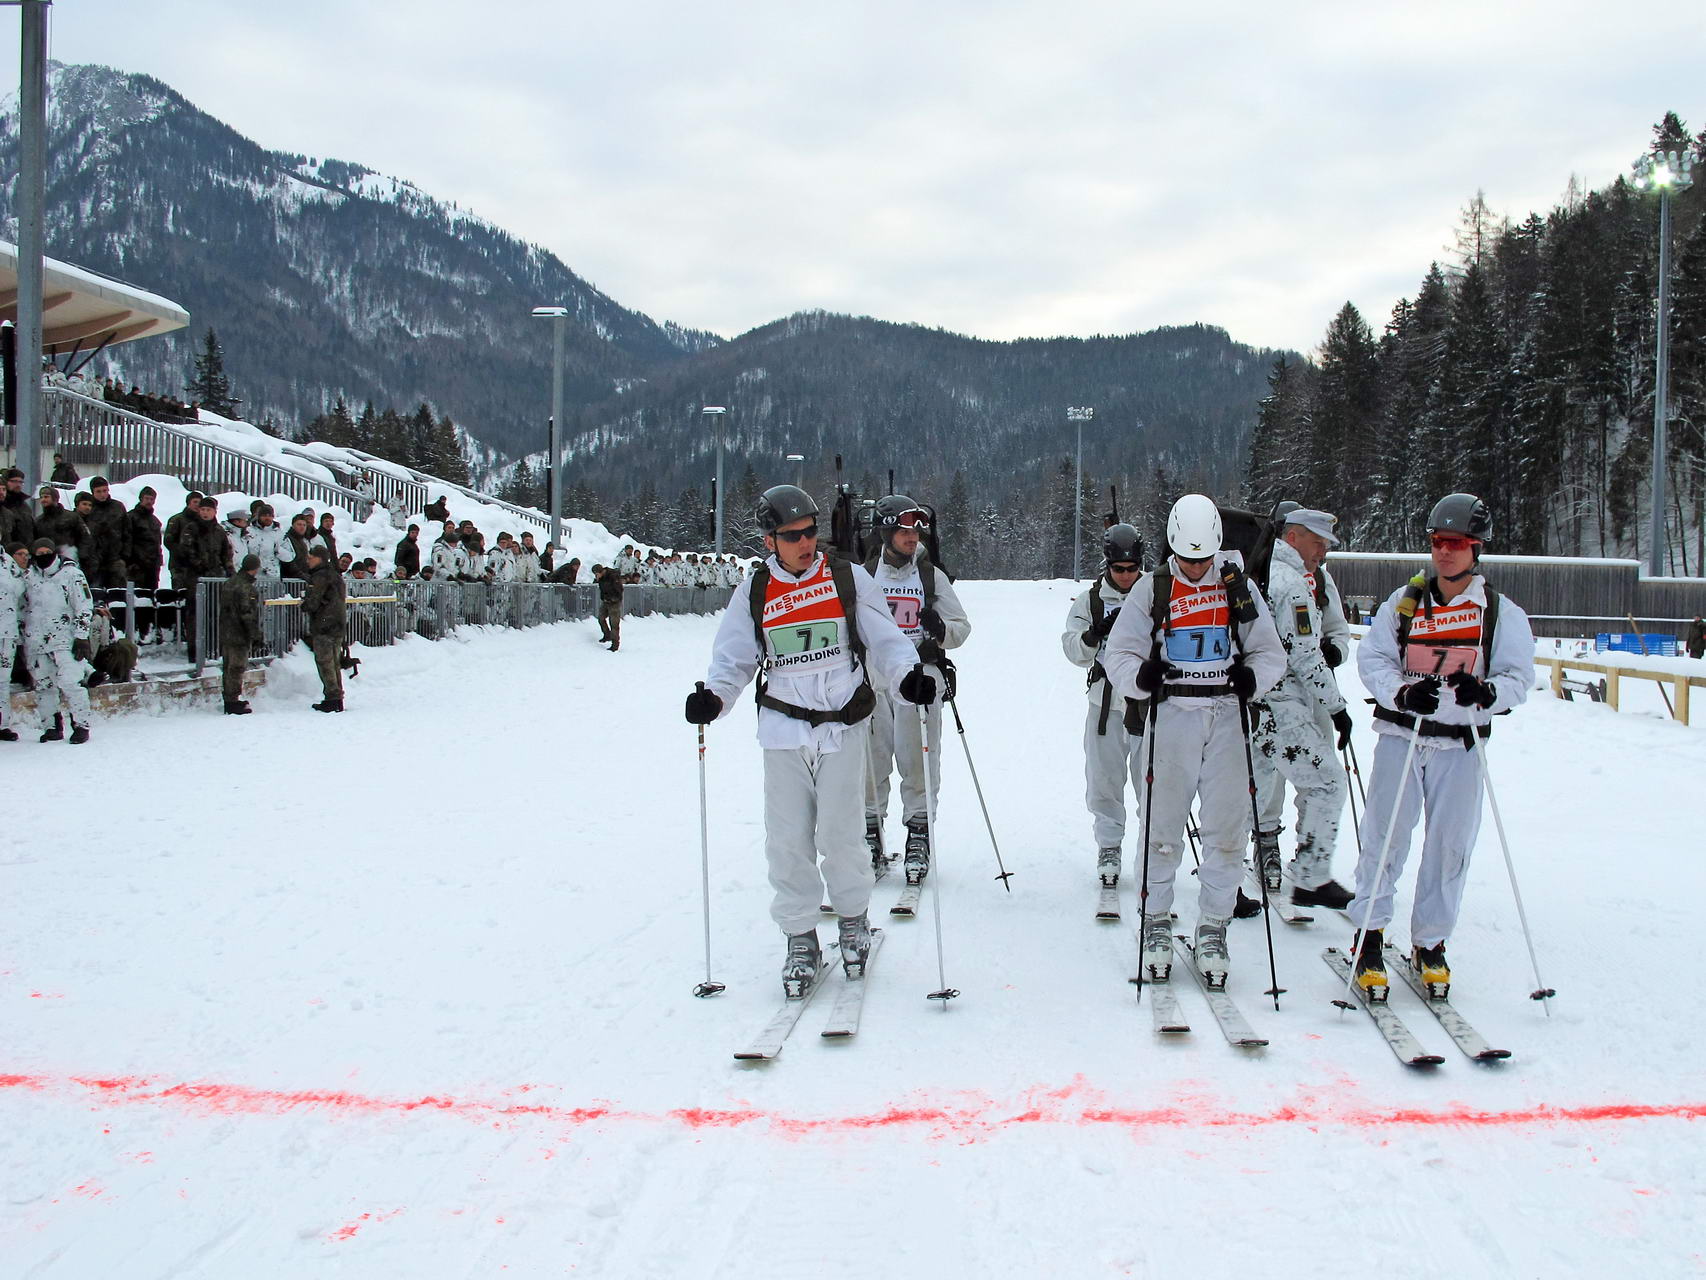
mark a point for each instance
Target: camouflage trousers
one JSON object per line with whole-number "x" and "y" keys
{"x": 59, "y": 684}
{"x": 610, "y": 622}
{"x": 236, "y": 662}
{"x": 327, "y": 651}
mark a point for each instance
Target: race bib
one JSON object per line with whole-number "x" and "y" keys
{"x": 1199, "y": 644}
{"x": 803, "y": 622}
{"x": 1422, "y": 659}
{"x": 785, "y": 640}
{"x": 1444, "y": 640}
{"x": 906, "y": 610}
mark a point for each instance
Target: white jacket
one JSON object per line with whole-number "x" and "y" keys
{"x": 527, "y": 566}
{"x": 1511, "y": 671}
{"x": 903, "y": 589}
{"x": 502, "y": 564}
{"x": 57, "y": 607}
{"x": 735, "y": 658}
{"x": 12, "y": 581}
{"x": 1079, "y": 619}
{"x": 449, "y": 561}
{"x": 271, "y": 544}
{"x": 1308, "y": 680}
{"x": 1135, "y": 636}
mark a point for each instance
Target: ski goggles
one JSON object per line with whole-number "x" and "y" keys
{"x": 914, "y": 520}
{"x": 796, "y": 535}
{"x": 1451, "y": 542}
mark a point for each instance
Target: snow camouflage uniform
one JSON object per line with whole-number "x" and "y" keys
{"x": 12, "y": 580}
{"x": 1110, "y": 753}
{"x": 895, "y": 739}
{"x": 1294, "y": 736}
{"x": 1198, "y": 744}
{"x": 58, "y": 611}
{"x": 449, "y": 561}
{"x": 271, "y": 546}
{"x": 814, "y": 775}
{"x": 1445, "y": 776}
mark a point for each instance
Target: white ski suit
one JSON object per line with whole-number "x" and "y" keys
{"x": 895, "y": 738}
{"x": 270, "y": 545}
{"x": 12, "y": 580}
{"x": 814, "y": 775}
{"x": 449, "y": 561}
{"x": 1444, "y": 776}
{"x": 57, "y": 612}
{"x": 1294, "y": 736}
{"x": 1110, "y": 754}
{"x": 1270, "y": 782}
{"x": 1196, "y": 741}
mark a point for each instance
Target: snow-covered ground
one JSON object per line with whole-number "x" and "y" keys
{"x": 406, "y": 992}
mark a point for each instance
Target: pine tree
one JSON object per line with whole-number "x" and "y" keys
{"x": 445, "y": 459}
{"x": 1346, "y": 406}
{"x": 955, "y": 535}
{"x": 210, "y": 387}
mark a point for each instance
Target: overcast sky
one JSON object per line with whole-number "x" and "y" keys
{"x": 998, "y": 169}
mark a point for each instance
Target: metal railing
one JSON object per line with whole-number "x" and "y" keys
{"x": 436, "y": 486}
{"x": 381, "y": 611}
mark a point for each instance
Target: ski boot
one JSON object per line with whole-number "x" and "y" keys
{"x": 1246, "y": 907}
{"x": 1268, "y": 859}
{"x": 55, "y": 731}
{"x": 236, "y": 708}
{"x": 79, "y": 734}
{"x": 1108, "y": 865}
{"x": 329, "y": 705}
{"x": 917, "y": 850}
{"x": 1332, "y": 895}
{"x": 874, "y": 842}
{"x": 1213, "y": 959}
{"x": 8, "y": 735}
{"x": 1430, "y": 966}
{"x": 1371, "y": 966}
{"x": 799, "y": 970}
{"x": 855, "y": 944}
{"x": 1158, "y": 947}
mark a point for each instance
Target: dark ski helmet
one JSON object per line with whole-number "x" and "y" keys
{"x": 891, "y": 512}
{"x": 1121, "y": 544}
{"x": 783, "y": 504}
{"x": 1462, "y": 513}
{"x": 1282, "y": 509}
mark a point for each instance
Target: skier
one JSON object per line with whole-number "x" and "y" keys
{"x": 1192, "y": 643}
{"x": 58, "y": 613}
{"x": 922, "y": 601}
{"x": 817, "y": 632}
{"x": 1109, "y": 751}
{"x": 1297, "y": 723}
{"x": 1446, "y": 648}
{"x": 13, "y": 577}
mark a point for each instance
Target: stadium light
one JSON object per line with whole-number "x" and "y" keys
{"x": 1079, "y": 415}
{"x": 559, "y": 317}
{"x": 716, "y": 413}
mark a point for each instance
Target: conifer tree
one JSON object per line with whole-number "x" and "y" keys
{"x": 211, "y": 387}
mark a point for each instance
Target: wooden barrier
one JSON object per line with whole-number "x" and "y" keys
{"x": 1680, "y": 683}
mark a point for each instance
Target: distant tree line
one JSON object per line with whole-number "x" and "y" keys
{"x": 1524, "y": 372}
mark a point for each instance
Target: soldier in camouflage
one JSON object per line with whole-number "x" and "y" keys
{"x": 109, "y": 537}
{"x": 323, "y": 615}
{"x": 58, "y": 611}
{"x": 239, "y": 631}
{"x": 11, "y": 609}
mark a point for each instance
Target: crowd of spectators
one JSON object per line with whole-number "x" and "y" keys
{"x": 673, "y": 569}
{"x": 114, "y": 392}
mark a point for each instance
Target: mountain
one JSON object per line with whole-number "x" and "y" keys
{"x": 320, "y": 276}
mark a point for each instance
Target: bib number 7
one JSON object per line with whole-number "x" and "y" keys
{"x": 1199, "y": 644}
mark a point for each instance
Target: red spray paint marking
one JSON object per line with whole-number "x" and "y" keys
{"x": 965, "y": 1116}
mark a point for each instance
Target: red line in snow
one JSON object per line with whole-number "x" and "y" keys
{"x": 960, "y": 1115}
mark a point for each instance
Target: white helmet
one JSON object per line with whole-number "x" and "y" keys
{"x": 1193, "y": 527}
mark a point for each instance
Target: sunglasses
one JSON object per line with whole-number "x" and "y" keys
{"x": 797, "y": 535}
{"x": 1451, "y": 542}
{"x": 1192, "y": 559}
{"x": 1123, "y": 568}
{"x": 914, "y": 520}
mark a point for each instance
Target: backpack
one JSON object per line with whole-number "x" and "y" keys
{"x": 864, "y": 699}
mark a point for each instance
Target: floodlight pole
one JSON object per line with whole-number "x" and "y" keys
{"x": 716, "y": 413}
{"x": 1664, "y": 172}
{"x": 559, "y": 318}
{"x": 1079, "y": 416}
{"x": 799, "y": 461}
{"x": 30, "y": 197}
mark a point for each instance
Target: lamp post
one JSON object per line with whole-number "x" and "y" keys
{"x": 1663, "y": 173}
{"x": 716, "y": 412}
{"x": 1079, "y": 416}
{"x": 30, "y": 198}
{"x": 558, "y": 316}
{"x": 799, "y": 461}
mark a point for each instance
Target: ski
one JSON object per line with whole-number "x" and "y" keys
{"x": 1464, "y": 1036}
{"x": 1233, "y": 1025}
{"x": 843, "y": 1021}
{"x": 1164, "y": 1008}
{"x": 907, "y": 904}
{"x": 768, "y": 1042}
{"x": 1108, "y": 902}
{"x": 1398, "y": 1037}
{"x": 1280, "y": 902}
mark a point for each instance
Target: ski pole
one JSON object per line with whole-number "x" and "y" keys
{"x": 707, "y": 987}
{"x": 1380, "y": 863}
{"x": 1356, "y": 822}
{"x": 1148, "y": 805}
{"x": 1256, "y": 826}
{"x": 1356, "y": 771}
{"x": 960, "y": 727}
{"x": 1191, "y": 837}
{"x": 944, "y": 993}
{"x": 1542, "y": 992}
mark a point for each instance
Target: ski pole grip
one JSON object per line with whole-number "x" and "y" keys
{"x": 699, "y": 686}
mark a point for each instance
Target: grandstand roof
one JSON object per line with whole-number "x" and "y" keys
{"x": 82, "y": 306}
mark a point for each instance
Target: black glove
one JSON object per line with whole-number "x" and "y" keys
{"x": 918, "y": 687}
{"x": 1242, "y": 680}
{"x": 1421, "y": 697}
{"x": 1342, "y": 722}
{"x": 1330, "y": 652}
{"x": 1153, "y": 672}
{"x": 703, "y": 706}
{"x": 80, "y": 650}
{"x": 1471, "y": 690}
{"x": 1135, "y": 715}
{"x": 933, "y": 625}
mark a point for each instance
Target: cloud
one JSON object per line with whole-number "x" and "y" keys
{"x": 1000, "y": 169}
